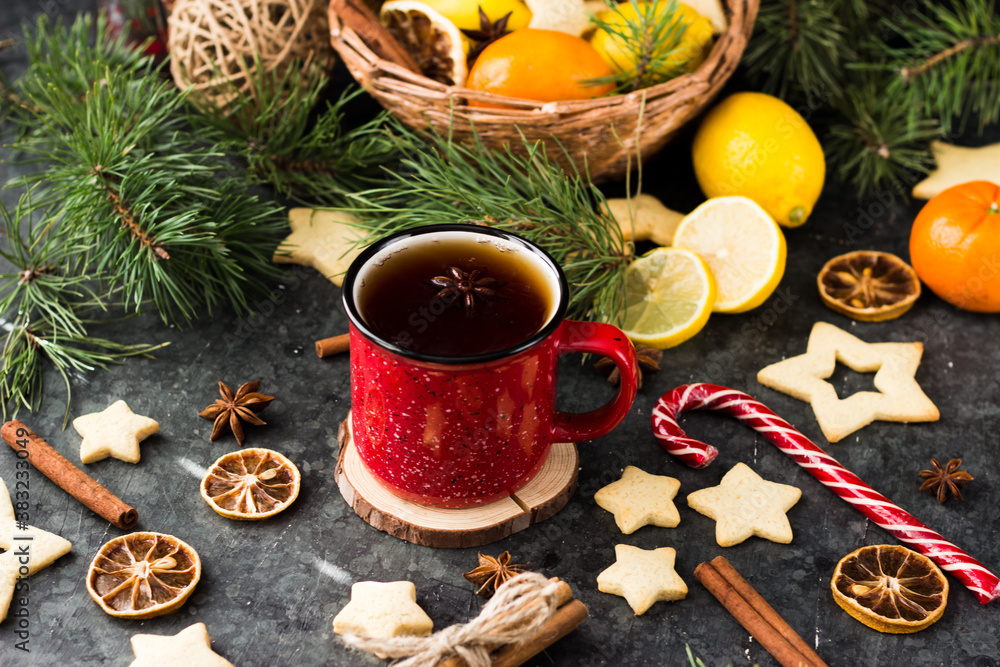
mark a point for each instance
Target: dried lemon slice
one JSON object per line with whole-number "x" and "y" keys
{"x": 142, "y": 575}
{"x": 868, "y": 285}
{"x": 890, "y": 588}
{"x": 251, "y": 484}
{"x": 435, "y": 43}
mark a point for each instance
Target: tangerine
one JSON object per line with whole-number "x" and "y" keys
{"x": 955, "y": 243}
{"x": 542, "y": 65}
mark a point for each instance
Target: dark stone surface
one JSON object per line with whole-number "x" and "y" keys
{"x": 270, "y": 589}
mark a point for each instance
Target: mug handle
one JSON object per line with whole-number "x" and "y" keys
{"x": 607, "y": 341}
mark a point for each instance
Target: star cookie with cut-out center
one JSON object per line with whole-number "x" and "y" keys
{"x": 639, "y": 499}
{"x": 957, "y": 165}
{"x": 191, "y": 647}
{"x": 114, "y": 432}
{"x": 323, "y": 240}
{"x": 745, "y": 504}
{"x": 24, "y": 546}
{"x": 643, "y": 577}
{"x": 899, "y": 398}
{"x": 382, "y": 610}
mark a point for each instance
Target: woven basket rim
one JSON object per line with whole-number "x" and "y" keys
{"x": 457, "y": 97}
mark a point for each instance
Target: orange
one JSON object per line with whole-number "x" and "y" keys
{"x": 543, "y": 65}
{"x": 890, "y": 588}
{"x": 955, "y": 246}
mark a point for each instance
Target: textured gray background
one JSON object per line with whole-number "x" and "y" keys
{"x": 270, "y": 589}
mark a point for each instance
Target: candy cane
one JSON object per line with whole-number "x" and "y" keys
{"x": 820, "y": 465}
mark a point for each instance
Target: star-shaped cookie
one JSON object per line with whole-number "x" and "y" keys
{"x": 957, "y": 165}
{"x": 745, "y": 504}
{"x": 324, "y": 240}
{"x": 643, "y": 577}
{"x": 191, "y": 647}
{"x": 899, "y": 398}
{"x": 114, "y": 432}
{"x": 639, "y": 499}
{"x": 30, "y": 546}
{"x": 383, "y": 610}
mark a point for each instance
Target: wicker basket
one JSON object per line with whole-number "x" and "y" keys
{"x": 605, "y": 136}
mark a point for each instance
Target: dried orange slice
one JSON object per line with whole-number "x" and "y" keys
{"x": 890, "y": 588}
{"x": 868, "y": 285}
{"x": 251, "y": 484}
{"x": 142, "y": 575}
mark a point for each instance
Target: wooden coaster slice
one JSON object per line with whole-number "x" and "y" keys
{"x": 546, "y": 494}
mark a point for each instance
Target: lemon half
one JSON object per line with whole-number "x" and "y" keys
{"x": 668, "y": 297}
{"x": 743, "y": 247}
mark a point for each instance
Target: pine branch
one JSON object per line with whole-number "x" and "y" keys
{"x": 524, "y": 192}
{"x": 305, "y": 156}
{"x": 651, "y": 36}
{"x": 948, "y": 64}
{"x": 149, "y": 198}
{"x": 798, "y": 48}
{"x": 878, "y": 145}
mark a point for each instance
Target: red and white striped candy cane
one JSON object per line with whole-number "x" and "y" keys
{"x": 820, "y": 465}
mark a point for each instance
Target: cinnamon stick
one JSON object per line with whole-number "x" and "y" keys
{"x": 67, "y": 476}
{"x": 757, "y": 601}
{"x": 330, "y": 346}
{"x": 357, "y": 16}
{"x": 568, "y": 616}
{"x": 773, "y": 641}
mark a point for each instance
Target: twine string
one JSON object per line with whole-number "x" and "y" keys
{"x": 516, "y": 612}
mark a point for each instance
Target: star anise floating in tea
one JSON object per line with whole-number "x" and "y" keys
{"x": 649, "y": 362}
{"x": 945, "y": 482}
{"x": 493, "y": 573}
{"x": 233, "y": 409}
{"x": 489, "y": 32}
{"x": 466, "y": 287}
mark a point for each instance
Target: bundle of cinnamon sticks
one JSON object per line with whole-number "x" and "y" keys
{"x": 756, "y": 615}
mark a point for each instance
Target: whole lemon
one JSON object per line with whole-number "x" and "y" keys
{"x": 613, "y": 43}
{"x": 757, "y": 146}
{"x": 465, "y": 13}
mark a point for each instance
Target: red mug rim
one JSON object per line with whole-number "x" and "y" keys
{"x": 359, "y": 262}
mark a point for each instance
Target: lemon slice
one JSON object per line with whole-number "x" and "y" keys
{"x": 434, "y": 41}
{"x": 668, "y": 297}
{"x": 742, "y": 245}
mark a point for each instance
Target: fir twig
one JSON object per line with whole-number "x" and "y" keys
{"x": 520, "y": 190}
{"x": 305, "y": 156}
{"x": 949, "y": 63}
{"x": 651, "y": 36}
{"x": 878, "y": 145}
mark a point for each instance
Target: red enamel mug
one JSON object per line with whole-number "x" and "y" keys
{"x": 468, "y": 429}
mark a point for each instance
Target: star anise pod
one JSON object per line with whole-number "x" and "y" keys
{"x": 493, "y": 573}
{"x": 946, "y": 481}
{"x": 649, "y": 362}
{"x": 466, "y": 287}
{"x": 489, "y": 32}
{"x": 231, "y": 408}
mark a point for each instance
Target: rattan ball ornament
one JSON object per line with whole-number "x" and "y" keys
{"x": 216, "y": 46}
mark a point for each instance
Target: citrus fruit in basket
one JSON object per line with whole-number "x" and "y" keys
{"x": 755, "y": 145}
{"x": 142, "y": 575}
{"x": 868, "y": 285}
{"x": 251, "y": 484}
{"x": 435, "y": 43}
{"x": 693, "y": 36}
{"x": 890, "y": 588}
{"x": 543, "y": 65}
{"x": 465, "y": 13}
{"x": 742, "y": 246}
{"x": 954, "y": 243}
{"x": 668, "y": 297}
